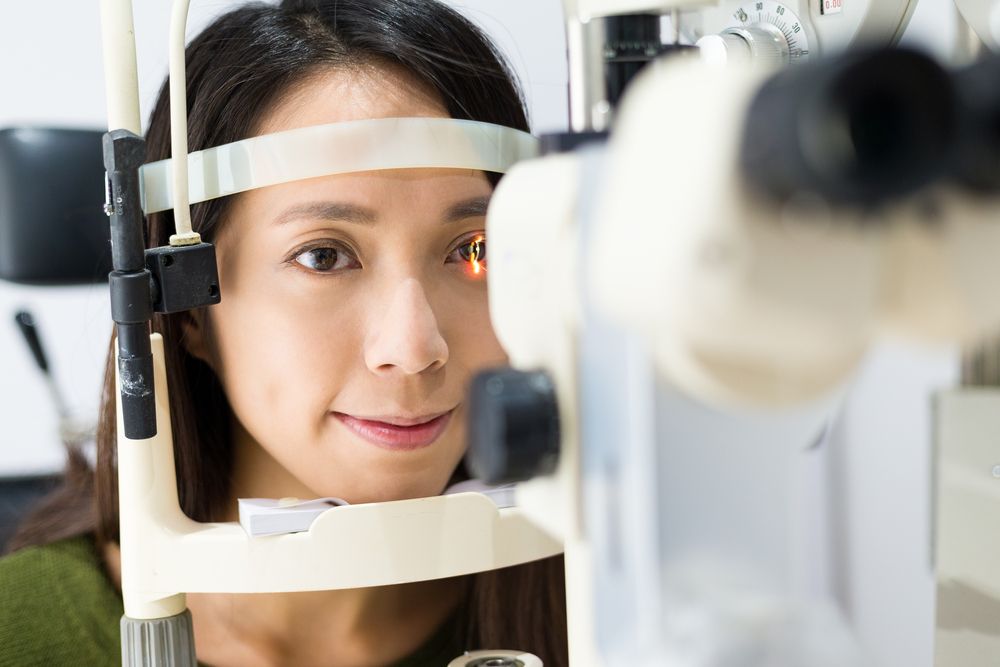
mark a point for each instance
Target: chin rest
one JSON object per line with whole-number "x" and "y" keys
{"x": 53, "y": 230}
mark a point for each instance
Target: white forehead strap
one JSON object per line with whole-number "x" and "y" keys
{"x": 339, "y": 148}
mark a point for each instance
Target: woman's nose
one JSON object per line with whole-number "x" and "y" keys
{"x": 404, "y": 335}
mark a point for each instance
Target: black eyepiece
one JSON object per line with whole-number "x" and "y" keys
{"x": 859, "y": 130}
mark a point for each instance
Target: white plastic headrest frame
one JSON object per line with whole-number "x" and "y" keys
{"x": 339, "y": 148}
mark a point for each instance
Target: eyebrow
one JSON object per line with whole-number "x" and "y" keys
{"x": 340, "y": 212}
{"x": 327, "y": 210}
{"x": 468, "y": 208}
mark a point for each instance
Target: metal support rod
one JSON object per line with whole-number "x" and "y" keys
{"x": 124, "y": 153}
{"x": 589, "y": 109}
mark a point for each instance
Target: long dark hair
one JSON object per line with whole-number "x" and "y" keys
{"x": 237, "y": 69}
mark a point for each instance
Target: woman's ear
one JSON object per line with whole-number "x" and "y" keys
{"x": 195, "y": 337}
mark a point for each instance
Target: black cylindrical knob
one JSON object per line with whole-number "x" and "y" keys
{"x": 513, "y": 426}
{"x": 862, "y": 129}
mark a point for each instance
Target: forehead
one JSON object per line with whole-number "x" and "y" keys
{"x": 356, "y": 93}
{"x": 340, "y": 94}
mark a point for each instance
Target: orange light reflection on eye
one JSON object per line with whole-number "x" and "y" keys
{"x": 474, "y": 251}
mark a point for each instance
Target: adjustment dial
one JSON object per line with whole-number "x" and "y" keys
{"x": 765, "y": 31}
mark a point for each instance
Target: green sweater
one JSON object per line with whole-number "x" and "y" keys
{"x": 57, "y": 607}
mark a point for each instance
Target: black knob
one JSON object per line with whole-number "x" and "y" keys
{"x": 513, "y": 426}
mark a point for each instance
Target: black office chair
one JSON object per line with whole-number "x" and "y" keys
{"x": 52, "y": 228}
{"x": 52, "y": 232}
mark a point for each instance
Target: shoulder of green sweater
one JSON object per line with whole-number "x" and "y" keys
{"x": 59, "y": 606}
{"x": 69, "y": 566}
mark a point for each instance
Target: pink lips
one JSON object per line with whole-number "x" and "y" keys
{"x": 399, "y": 434}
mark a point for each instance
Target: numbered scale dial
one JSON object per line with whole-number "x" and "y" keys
{"x": 763, "y": 31}
{"x": 768, "y": 16}
{"x": 793, "y": 31}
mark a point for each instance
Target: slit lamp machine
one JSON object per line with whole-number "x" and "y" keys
{"x": 745, "y": 202}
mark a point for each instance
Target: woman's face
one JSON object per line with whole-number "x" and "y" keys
{"x": 352, "y": 314}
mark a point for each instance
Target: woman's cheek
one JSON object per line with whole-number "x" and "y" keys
{"x": 473, "y": 326}
{"x": 266, "y": 353}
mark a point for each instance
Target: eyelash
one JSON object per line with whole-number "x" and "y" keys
{"x": 454, "y": 255}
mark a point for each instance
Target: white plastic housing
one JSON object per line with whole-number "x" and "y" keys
{"x": 742, "y": 301}
{"x": 533, "y": 291}
{"x": 534, "y": 287}
{"x": 967, "y": 537}
{"x": 747, "y": 300}
{"x": 984, "y": 18}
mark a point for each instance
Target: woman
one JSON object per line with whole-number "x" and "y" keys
{"x": 335, "y": 365}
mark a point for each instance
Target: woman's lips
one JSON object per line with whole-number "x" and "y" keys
{"x": 397, "y": 433}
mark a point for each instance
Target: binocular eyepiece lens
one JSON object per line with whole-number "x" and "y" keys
{"x": 859, "y": 130}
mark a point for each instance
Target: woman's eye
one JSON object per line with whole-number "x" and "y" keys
{"x": 325, "y": 259}
{"x": 472, "y": 253}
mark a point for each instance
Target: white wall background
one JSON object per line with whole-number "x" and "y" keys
{"x": 50, "y": 74}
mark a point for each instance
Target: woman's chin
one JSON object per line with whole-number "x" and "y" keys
{"x": 388, "y": 493}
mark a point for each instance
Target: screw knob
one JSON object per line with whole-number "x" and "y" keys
{"x": 514, "y": 426}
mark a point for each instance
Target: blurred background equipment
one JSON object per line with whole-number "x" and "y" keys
{"x": 53, "y": 233}
{"x": 52, "y": 228}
